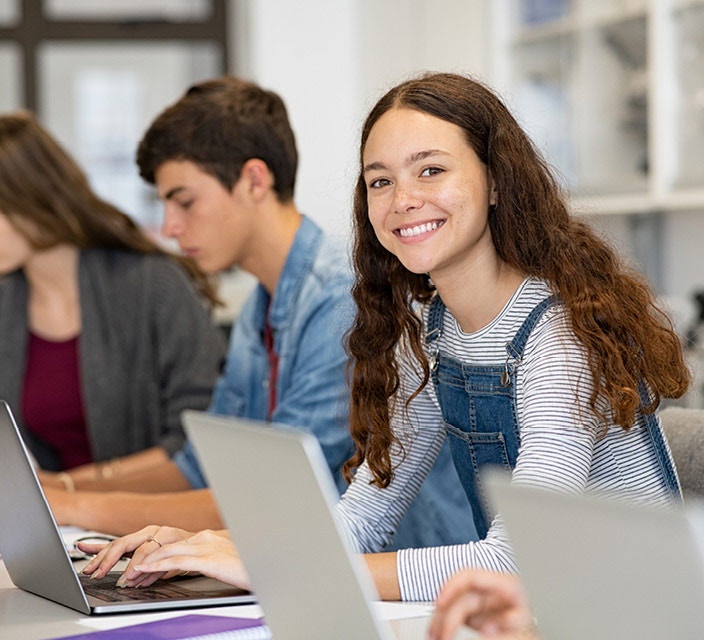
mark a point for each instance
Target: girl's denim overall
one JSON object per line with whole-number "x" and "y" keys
{"x": 479, "y": 410}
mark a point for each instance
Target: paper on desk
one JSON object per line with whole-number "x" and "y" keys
{"x": 123, "y": 620}
{"x": 71, "y": 534}
{"x": 398, "y": 610}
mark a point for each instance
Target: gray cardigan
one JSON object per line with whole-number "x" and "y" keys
{"x": 147, "y": 350}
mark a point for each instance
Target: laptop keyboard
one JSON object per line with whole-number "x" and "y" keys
{"x": 105, "y": 589}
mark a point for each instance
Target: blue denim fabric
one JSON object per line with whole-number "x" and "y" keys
{"x": 440, "y": 514}
{"x": 310, "y": 312}
{"x": 657, "y": 437}
{"x": 479, "y": 409}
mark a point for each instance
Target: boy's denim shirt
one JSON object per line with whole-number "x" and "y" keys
{"x": 310, "y": 312}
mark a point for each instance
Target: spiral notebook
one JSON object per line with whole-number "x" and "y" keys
{"x": 190, "y": 627}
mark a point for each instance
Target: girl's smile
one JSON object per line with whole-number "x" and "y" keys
{"x": 410, "y": 232}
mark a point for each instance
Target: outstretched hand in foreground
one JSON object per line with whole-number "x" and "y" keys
{"x": 493, "y": 604}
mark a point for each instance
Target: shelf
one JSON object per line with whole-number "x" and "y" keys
{"x": 601, "y": 204}
{"x": 585, "y": 16}
{"x": 677, "y": 5}
{"x": 689, "y": 111}
{"x": 612, "y": 93}
{"x": 536, "y": 33}
{"x": 608, "y": 12}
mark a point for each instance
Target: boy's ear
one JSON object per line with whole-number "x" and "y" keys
{"x": 257, "y": 178}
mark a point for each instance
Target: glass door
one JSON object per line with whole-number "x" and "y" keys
{"x": 98, "y": 100}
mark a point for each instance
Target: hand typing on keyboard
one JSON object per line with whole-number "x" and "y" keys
{"x": 165, "y": 552}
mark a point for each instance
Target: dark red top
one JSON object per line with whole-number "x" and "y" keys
{"x": 52, "y": 405}
{"x": 273, "y": 365}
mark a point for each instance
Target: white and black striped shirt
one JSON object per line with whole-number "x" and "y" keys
{"x": 563, "y": 445}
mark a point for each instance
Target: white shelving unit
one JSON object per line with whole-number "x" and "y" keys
{"x": 613, "y": 92}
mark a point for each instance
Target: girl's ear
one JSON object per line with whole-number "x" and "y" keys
{"x": 493, "y": 193}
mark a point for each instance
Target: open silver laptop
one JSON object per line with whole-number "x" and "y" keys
{"x": 596, "y": 568}
{"x": 277, "y": 496}
{"x": 37, "y": 559}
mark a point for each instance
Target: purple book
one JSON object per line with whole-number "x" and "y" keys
{"x": 188, "y": 627}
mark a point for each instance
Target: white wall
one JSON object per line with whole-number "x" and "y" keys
{"x": 330, "y": 61}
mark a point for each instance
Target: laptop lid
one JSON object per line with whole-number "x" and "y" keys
{"x": 595, "y": 568}
{"x": 37, "y": 560}
{"x": 276, "y": 494}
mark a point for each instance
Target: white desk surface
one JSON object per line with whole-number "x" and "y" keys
{"x": 24, "y": 616}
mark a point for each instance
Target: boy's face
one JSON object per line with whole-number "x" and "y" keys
{"x": 210, "y": 223}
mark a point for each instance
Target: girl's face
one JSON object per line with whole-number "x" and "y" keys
{"x": 428, "y": 193}
{"x": 15, "y": 251}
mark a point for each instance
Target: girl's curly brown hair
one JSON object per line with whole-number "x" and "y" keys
{"x": 611, "y": 307}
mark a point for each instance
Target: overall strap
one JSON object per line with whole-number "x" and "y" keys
{"x": 667, "y": 466}
{"x": 436, "y": 315}
{"x": 516, "y": 346}
{"x": 514, "y": 349}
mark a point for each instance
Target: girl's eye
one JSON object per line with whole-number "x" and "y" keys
{"x": 186, "y": 204}
{"x": 431, "y": 171}
{"x": 378, "y": 183}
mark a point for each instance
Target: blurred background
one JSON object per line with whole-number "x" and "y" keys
{"x": 612, "y": 91}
